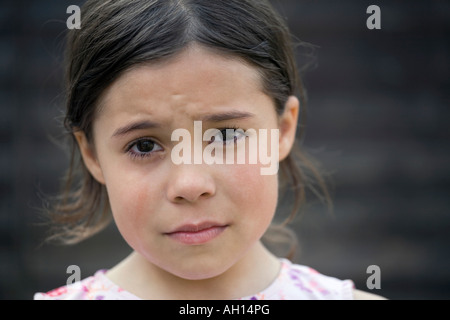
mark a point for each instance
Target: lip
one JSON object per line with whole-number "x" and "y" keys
{"x": 196, "y": 234}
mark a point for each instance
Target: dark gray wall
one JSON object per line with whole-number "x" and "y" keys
{"x": 378, "y": 119}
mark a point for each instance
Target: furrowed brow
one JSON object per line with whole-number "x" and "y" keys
{"x": 231, "y": 115}
{"x": 216, "y": 117}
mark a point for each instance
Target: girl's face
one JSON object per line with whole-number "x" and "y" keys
{"x": 192, "y": 220}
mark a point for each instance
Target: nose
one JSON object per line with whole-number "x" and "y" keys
{"x": 190, "y": 183}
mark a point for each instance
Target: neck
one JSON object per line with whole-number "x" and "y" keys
{"x": 144, "y": 279}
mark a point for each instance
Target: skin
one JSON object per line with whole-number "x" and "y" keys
{"x": 152, "y": 196}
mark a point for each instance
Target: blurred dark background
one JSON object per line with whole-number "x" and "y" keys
{"x": 378, "y": 120}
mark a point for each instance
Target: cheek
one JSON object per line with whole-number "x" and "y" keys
{"x": 133, "y": 201}
{"x": 255, "y": 195}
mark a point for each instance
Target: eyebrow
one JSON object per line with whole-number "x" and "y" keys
{"x": 231, "y": 115}
{"x": 140, "y": 125}
{"x": 216, "y": 117}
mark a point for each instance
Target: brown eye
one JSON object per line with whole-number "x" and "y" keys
{"x": 143, "y": 148}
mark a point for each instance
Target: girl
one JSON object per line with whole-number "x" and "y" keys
{"x": 136, "y": 72}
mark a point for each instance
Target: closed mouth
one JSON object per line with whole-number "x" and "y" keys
{"x": 196, "y": 234}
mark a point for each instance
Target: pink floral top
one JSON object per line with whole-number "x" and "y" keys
{"x": 294, "y": 282}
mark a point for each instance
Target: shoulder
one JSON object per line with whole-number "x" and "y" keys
{"x": 96, "y": 287}
{"x": 333, "y": 288}
{"x": 319, "y": 286}
{"x": 299, "y": 282}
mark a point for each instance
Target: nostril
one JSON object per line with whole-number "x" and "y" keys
{"x": 192, "y": 199}
{"x": 187, "y": 184}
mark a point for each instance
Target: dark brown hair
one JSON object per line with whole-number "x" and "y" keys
{"x": 118, "y": 34}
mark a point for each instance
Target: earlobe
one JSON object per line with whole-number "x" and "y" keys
{"x": 89, "y": 156}
{"x": 288, "y": 126}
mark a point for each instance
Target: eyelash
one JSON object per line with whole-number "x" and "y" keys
{"x": 139, "y": 156}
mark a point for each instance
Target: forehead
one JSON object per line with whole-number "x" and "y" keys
{"x": 195, "y": 74}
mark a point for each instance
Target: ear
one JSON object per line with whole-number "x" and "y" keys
{"x": 288, "y": 126}
{"x": 89, "y": 157}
